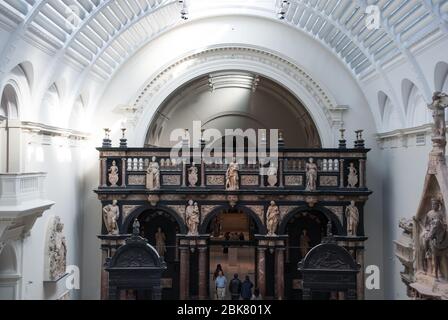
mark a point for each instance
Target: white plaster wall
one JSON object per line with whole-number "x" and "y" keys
{"x": 404, "y": 169}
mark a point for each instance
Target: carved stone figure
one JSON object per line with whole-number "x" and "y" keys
{"x": 160, "y": 242}
{"x": 192, "y": 217}
{"x": 57, "y": 249}
{"x": 273, "y": 217}
{"x": 435, "y": 238}
{"x": 352, "y": 215}
{"x": 113, "y": 174}
{"x": 111, "y": 212}
{"x": 304, "y": 243}
{"x": 311, "y": 175}
{"x": 232, "y": 176}
{"x": 272, "y": 175}
{"x": 352, "y": 176}
{"x": 193, "y": 175}
{"x": 153, "y": 175}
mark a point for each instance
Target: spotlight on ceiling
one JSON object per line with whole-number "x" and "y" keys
{"x": 184, "y": 9}
{"x": 283, "y": 9}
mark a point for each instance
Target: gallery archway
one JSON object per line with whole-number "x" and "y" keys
{"x": 305, "y": 229}
{"x": 232, "y": 245}
{"x": 160, "y": 228}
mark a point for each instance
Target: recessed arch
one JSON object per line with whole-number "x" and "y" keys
{"x": 127, "y": 223}
{"x": 224, "y": 208}
{"x": 337, "y": 226}
{"x": 8, "y": 260}
{"x": 382, "y": 101}
{"x": 9, "y": 102}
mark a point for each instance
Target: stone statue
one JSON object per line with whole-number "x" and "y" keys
{"x": 111, "y": 212}
{"x": 352, "y": 216}
{"x": 57, "y": 250}
{"x": 272, "y": 175}
{"x": 311, "y": 175}
{"x": 304, "y": 243}
{"x": 192, "y": 217}
{"x": 113, "y": 174}
{"x": 193, "y": 175}
{"x": 153, "y": 175}
{"x": 273, "y": 217}
{"x": 352, "y": 176}
{"x": 160, "y": 242}
{"x": 434, "y": 238}
{"x": 232, "y": 177}
{"x": 439, "y": 103}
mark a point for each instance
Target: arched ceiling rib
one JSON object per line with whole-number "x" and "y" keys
{"x": 99, "y": 35}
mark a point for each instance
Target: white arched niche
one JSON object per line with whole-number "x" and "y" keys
{"x": 319, "y": 104}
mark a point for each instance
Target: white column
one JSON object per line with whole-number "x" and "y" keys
{"x": 14, "y": 143}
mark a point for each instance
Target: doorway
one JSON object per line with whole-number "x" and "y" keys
{"x": 233, "y": 246}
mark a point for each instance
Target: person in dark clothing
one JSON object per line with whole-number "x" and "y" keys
{"x": 246, "y": 289}
{"x": 235, "y": 287}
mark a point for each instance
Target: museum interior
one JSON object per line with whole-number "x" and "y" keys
{"x": 155, "y": 149}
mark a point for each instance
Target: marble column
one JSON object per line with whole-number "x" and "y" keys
{"x": 261, "y": 271}
{"x": 362, "y": 173}
{"x": 341, "y": 175}
{"x": 104, "y": 276}
{"x": 202, "y": 273}
{"x": 279, "y": 273}
{"x": 360, "y": 275}
{"x": 104, "y": 173}
{"x": 184, "y": 273}
{"x": 280, "y": 173}
{"x": 202, "y": 174}
{"x": 123, "y": 172}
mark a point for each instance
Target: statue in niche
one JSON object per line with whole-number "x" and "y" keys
{"x": 273, "y": 217}
{"x": 192, "y": 217}
{"x": 232, "y": 176}
{"x": 304, "y": 243}
{"x": 153, "y": 175}
{"x": 439, "y": 103}
{"x": 272, "y": 175}
{"x": 435, "y": 238}
{"x": 111, "y": 212}
{"x": 311, "y": 175}
{"x": 193, "y": 175}
{"x": 113, "y": 174}
{"x": 57, "y": 250}
{"x": 160, "y": 242}
{"x": 352, "y": 176}
{"x": 352, "y": 216}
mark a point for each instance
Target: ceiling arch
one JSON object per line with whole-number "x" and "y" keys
{"x": 99, "y": 35}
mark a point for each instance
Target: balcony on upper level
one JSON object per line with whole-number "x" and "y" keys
{"x": 22, "y": 201}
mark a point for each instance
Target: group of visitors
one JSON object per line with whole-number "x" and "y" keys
{"x": 237, "y": 288}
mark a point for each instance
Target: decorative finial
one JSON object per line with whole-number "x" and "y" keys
{"x": 123, "y": 140}
{"x": 359, "y": 143}
{"x": 107, "y": 143}
{"x": 342, "y": 141}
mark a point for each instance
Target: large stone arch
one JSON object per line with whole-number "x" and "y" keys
{"x": 320, "y": 105}
{"x": 325, "y": 211}
{"x": 127, "y": 223}
{"x": 209, "y": 217}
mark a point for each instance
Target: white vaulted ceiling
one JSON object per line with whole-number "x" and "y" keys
{"x": 100, "y": 35}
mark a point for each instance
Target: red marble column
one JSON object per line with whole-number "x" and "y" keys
{"x": 361, "y": 275}
{"x": 279, "y": 273}
{"x": 261, "y": 271}
{"x": 184, "y": 273}
{"x": 202, "y": 273}
{"x": 104, "y": 277}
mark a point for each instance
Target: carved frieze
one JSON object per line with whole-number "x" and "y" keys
{"x": 328, "y": 181}
{"x": 55, "y": 250}
{"x": 215, "y": 180}
{"x": 171, "y": 180}
{"x": 249, "y": 180}
{"x": 136, "y": 180}
{"x": 293, "y": 180}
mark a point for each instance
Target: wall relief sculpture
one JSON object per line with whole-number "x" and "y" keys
{"x": 111, "y": 212}
{"x": 232, "y": 176}
{"x": 153, "y": 175}
{"x": 272, "y": 218}
{"x": 192, "y": 218}
{"x": 56, "y": 250}
{"x": 113, "y": 174}
{"x": 311, "y": 175}
{"x": 423, "y": 245}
